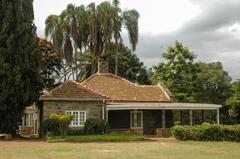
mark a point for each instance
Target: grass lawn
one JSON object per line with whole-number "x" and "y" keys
{"x": 132, "y": 150}
{"x": 97, "y": 138}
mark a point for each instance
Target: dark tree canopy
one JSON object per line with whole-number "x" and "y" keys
{"x": 212, "y": 83}
{"x": 19, "y": 62}
{"x": 234, "y": 101}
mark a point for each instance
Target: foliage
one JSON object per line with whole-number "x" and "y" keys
{"x": 57, "y": 124}
{"x": 177, "y": 71}
{"x": 96, "y": 126}
{"x": 212, "y": 83}
{"x": 98, "y": 138}
{"x": 19, "y": 60}
{"x": 92, "y": 27}
{"x": 50, "y": 63}
{"x": 191, "y": 81}
{"x": 63, "y": 121}
{"x": 207, "y": 132}
{"x": 130, "y": 66}
{"x": 234, "y": 101}
{"x": 50, "y": 126}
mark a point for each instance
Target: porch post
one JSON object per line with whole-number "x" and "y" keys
{"x": 135, "y": 118}
{"x": 218, "y": 116}
{"x": 190, "y": 117}
{"x": 163, "y": 119}
{"x": 106, "y": 114}
{"x": 103, "y": 113}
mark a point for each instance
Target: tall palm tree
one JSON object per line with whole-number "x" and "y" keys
{"x": 128, "y": 20}
{"x": 91, "y": 28}
{"x": 53, "y": 30}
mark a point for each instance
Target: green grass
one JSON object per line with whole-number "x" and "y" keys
{"x": 130, "y": 150}
{"x": 97, "y": 138}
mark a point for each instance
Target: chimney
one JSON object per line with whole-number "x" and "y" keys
{"x": 103, "y": 65}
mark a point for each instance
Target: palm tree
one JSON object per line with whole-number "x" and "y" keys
{"x": 53, "y": 30}
{"x": 90, "y": 28}
{"x": 129, "y": 20}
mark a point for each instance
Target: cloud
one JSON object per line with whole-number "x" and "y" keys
{"x": 214, "y": 35}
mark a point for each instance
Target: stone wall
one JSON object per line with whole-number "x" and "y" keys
{"x": 93, "y": 108}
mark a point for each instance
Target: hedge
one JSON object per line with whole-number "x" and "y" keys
{"x": 207, "y": 132}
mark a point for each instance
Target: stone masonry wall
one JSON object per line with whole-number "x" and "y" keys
{"x": 93, "y": 108}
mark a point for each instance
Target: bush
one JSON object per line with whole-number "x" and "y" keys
{"x": 57, "y": 124}
{"x": 207, "y": 132}
{"x": 96, "y": 126}
{"x": 50, "y": 126}
{"x": 63, "y": 121}
{"x": 180, "y": 132}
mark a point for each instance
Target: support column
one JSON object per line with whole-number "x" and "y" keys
{"x": 103, "y": 112}
{"x": 190, "y": 118}
{"x": 163, "y": 119}
{"x": 218, "y": 121}
{"x": 135, "y": 118}
{"x": 106, "y": 114}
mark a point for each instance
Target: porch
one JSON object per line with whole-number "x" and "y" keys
{"x": 158, "y": 118}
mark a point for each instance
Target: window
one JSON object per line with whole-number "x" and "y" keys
{"x": 79, "y": 117}
{"x": 28, "y": 119}
{"x": 136, "y": 119}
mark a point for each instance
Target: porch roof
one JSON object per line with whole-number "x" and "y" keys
{"x": 165, "y": 106}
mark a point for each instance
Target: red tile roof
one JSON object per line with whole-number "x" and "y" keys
{"x": 72, "y": 90}
{"x": 110, "y": 87}
{"x": 120, "y": 89}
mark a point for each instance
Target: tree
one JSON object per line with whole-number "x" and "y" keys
{"x": 130, "y": 65}
{"x": 91, "y": 28}
{"x": 178, "y": 72}
{"x": 19, "y": 62}
{"x": 234, "y": 101}
{"x": 212, "y": 83}
{"x": 50, "y": 63}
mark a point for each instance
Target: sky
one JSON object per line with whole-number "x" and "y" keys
{"x": 209, "y": 28}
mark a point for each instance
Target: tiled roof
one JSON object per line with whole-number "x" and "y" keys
{"x": 120, "y": 89}
{"x": 72, "y": 90}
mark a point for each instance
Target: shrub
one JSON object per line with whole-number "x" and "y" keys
{"x": 57, "y": 124}
{"x": 63, "y": 121}
{"x": 50, "y": 126}
{"x": 207, "y": 132}
{"x": 96, "y": 126}
{"x": 180, "y": 132}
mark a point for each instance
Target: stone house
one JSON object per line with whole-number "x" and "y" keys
{"x": 128, "y": 107}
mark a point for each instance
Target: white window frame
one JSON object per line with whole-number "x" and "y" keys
{"x": 79, "y": 111}
{"x": 28, "y": 120}
{"x": 133, "y": 124}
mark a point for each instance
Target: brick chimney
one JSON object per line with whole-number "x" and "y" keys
{"x": 103, "y": 65}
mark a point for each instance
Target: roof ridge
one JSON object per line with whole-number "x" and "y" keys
{"x": 109, "y": 74}
{"x": 165, "y": 90}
